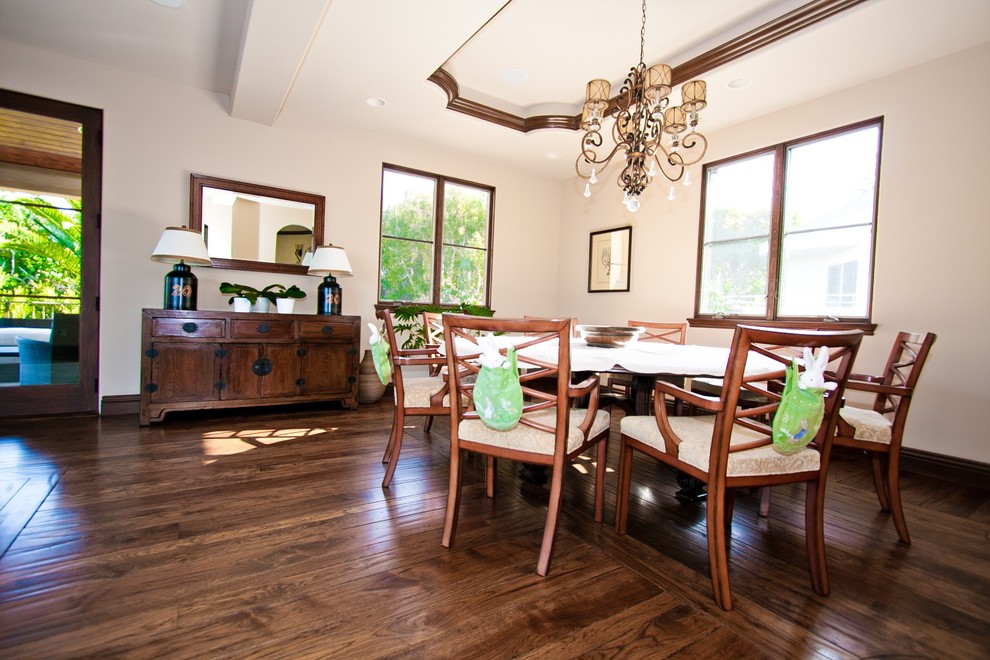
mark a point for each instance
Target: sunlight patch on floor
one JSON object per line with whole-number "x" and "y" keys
{"x": 229, "y": 442}
{"x": 583, "y": 469}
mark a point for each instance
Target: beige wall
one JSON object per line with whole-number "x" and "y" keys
{"x": 932, "y": 273}
{"x": 156, "y": 133}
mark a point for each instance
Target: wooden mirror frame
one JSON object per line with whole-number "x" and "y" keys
{"x": 199, "y": 181}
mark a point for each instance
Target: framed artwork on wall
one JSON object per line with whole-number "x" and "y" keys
{"x": 608, "y": 260}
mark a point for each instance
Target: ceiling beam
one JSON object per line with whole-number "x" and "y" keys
{"x": 277, "y": 38}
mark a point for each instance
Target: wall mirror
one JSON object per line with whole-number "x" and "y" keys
{"x": 253, "y": 227}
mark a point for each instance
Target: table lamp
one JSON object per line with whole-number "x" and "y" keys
{"x": 187, "y": 247}
{"x": 329, "y": 260}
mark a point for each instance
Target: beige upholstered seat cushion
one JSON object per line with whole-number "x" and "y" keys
{"x": 419, "y": 390}
{"x": 869, "y": 424}
{"x": 526, "y": 438}
{"x": 696, "y": 440}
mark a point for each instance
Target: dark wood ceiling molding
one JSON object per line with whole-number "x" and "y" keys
{"x": 786, "y": 25}
{"x": 49, "y": 161}
{"x": 775, "y": 30}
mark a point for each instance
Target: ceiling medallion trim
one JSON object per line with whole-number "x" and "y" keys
{"x": 775, "y": 30}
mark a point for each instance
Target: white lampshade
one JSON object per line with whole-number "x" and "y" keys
{"x": 181, "y": 244}
{"x": 329, "y": 260}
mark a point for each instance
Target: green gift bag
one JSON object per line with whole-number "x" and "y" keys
{"x": 799, "y": 414}
{"x": 497, "y": 393}
{"x": 379, "y": 354}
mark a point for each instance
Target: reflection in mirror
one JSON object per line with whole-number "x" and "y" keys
{"x": 253, "y": 227}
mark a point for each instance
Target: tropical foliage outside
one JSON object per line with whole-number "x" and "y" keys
{"x": 40, "y": 255}
{"x": 408, "y": 241}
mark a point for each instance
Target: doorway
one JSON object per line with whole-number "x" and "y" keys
{"x": 50, "y": 198}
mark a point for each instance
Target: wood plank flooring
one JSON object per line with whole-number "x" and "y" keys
{"x": 266, "y": 534}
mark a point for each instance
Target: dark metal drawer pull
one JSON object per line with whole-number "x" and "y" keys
{"x": 189, "y": 327}
{"x": 262, "y": 367}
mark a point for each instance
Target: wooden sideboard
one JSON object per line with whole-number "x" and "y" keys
{"x": 215, "y": 359}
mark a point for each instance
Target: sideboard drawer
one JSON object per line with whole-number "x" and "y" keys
{"x": 264, "y": 329}
{"x": 202, "y": 327}
{"x": 325, "y": 330}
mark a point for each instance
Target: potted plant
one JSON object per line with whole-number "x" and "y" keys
{"x": 284, "y": 298}
{"x": 409, "y": 318}
{"x": 245, "y": 297}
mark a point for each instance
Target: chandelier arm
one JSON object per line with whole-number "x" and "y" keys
{"x": 590, "y": 158}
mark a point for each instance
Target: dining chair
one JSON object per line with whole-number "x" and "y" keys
{"x": 414, "y": 395}
{"x": 733, "y": 448}
{"x": 550, "y": 432}
{"x": 618, "y": 387}
{"x": 879, "y": 431}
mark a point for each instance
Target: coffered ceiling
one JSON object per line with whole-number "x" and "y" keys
{"x": 320, "y": 60}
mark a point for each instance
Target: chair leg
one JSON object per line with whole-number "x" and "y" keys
{"x": 428, "y": 424}
{"x": 391, "y": 435}
{"x": 765, "y": 494}
{"x": 395, "y": 444}
{"x": 814, "y": 531}
{"x": 876, "y": 463}
{"x": 730, "y": 507}
{"x": 600, "y": 480}
{"x": 553, "y": 516}
{"x": 717, "y": 538}
{"x": 622, "y": 488}
{"x": 453, "y": 498}
{"x": 894, "y": 493}
{"x": 491, "y": 470}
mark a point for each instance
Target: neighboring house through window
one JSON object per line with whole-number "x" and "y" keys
{"x": 436, "y": 235}
{"x": 788, "y": 232}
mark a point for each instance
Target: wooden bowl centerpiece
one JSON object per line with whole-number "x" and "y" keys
{"x": 609, "y": 336}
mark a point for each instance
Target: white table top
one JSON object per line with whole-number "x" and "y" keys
{"x": 644, "y": 357}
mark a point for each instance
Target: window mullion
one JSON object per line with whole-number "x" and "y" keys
{"x": 776, "y": 225}
{"x": 438, "y": 240}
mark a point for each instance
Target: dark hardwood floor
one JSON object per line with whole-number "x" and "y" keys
{"x": 266, "y": 533}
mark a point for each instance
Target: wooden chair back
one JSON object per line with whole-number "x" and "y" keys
{"x": 574, "y": 323}
{"x": 433, "y": 328}
{"x": 671, "y": 333}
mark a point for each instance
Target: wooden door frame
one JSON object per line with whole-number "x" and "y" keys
{"x": 84, "y": 396}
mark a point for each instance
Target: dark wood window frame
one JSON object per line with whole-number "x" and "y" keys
{"x": 441, "y": 182}
{"x": 776, "y": 231}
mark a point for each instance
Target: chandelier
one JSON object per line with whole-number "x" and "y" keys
{"x": 642, "y": 120}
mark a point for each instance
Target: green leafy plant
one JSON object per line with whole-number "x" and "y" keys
{"x": 272, "y": 292}
{"x": 409, "y": 319}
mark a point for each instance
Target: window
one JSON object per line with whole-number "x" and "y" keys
{"x": 788, "y": 232}
{"x": 416, "y": 265}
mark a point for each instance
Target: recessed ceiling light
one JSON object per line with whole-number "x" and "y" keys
{"x": 375, "y": 102}
{"x": 552, "y": 155}
{"x": 171, "y": 4}
{"x": 739, "y": 83}
{"x": 515, "y": 75}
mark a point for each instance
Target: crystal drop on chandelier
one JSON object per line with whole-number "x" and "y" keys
{"x": 593, "y": 178}
{"x": 632, "y": 203}
{"x": 587, "y": 190}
